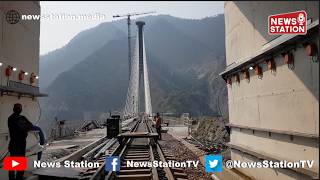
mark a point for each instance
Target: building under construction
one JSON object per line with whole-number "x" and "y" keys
{"x": 19, "y": 70}
{"x": 273, "y": 89}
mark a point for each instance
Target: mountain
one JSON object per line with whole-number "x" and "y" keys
{"x": 81, "y": 46}
{"x": 90, "y": 74}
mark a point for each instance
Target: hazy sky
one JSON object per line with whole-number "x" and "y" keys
{"x": 56, "y": 32}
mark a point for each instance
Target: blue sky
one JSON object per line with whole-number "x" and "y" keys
{"x": 56, "y": 33}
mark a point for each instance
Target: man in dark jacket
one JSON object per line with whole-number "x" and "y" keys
{"x": 158, "y": 125}
{"x": 18, "y": 129}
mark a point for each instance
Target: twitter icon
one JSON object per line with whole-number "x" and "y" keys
{"x": 213, "y": 163}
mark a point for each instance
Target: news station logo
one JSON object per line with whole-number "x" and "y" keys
{"x": 12, "y": 163}
{"x": 112, "y": 163}
{"x": 288, "y": 23}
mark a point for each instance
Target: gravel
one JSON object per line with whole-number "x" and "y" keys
{"x": 182, "y": 153}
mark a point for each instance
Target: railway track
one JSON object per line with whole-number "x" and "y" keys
{"x": 141, "y": 150}
{"x": 130, "y": 150}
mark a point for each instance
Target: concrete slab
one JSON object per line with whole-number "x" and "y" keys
{"x": 62, "y": 147}
{"x": 180, "y": 131}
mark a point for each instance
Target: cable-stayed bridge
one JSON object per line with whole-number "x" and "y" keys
{"x": 138, "y": 78}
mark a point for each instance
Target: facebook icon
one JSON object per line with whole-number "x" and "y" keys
{"x": 112, "y": 163}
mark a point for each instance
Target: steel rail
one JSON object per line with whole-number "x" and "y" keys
{"x": 100, "y": 173}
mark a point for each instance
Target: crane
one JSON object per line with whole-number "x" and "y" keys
{"x": 129, "y": 32}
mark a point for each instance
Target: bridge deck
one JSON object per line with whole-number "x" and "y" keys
{"x": 141, "y": 141}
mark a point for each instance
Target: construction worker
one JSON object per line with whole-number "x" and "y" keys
{"x": 18, "y": 130}
{"x": 158, "y": 125}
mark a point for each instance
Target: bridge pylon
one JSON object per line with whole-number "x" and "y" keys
{"x": 139, "y": 76}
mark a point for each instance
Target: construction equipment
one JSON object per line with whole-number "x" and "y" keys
{"x": 129, "y": 32}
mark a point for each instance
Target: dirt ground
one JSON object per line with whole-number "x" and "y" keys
{"x": 182, "y": 153}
